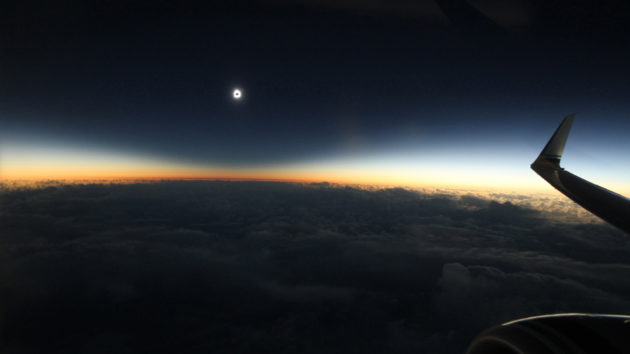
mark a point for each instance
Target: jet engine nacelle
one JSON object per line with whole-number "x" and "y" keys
{"x": 557, "y": 334}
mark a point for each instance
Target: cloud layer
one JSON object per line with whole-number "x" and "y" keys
{"x": 236, "y": 267}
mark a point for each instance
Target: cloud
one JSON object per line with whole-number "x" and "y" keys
{"x": 500, "y": 294}
{"x": 277, "y": 267}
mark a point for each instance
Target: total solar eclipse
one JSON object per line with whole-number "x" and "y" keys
{"x": 237, "y": 94}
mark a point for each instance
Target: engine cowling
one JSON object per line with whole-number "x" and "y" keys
{"x": 557, "y": 334}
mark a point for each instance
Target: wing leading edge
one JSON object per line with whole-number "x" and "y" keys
{"x": 565, "y": 333}
{"x": 608, "y": 205}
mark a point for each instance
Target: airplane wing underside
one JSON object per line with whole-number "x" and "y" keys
{"x": 608, "y": 205}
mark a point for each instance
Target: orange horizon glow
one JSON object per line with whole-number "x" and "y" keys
{"x": 297, "y": 174}
{"x": 284, "y": 174}
{"x": 381, "y": 171}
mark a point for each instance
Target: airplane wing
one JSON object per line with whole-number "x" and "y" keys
{"x": 608, "y": 205}
{"x": 565, "y": 333}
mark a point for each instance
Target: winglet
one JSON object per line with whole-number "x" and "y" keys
{"x": 554, "y": 148}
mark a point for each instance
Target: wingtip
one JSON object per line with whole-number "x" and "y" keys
{"x": 569, "y": 118}
{"x": 555, "y": 147}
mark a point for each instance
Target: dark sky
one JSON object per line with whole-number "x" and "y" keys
{"x": 321, "y": 78}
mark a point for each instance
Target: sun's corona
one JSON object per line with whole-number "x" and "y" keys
{"x": 237, "y": 94}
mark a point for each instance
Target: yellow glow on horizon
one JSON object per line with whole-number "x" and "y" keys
{"x": 340, "y": 173}
{"x": 381, "y": 171}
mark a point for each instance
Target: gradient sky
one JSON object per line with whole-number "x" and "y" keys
{"x": 417, "y": 93}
